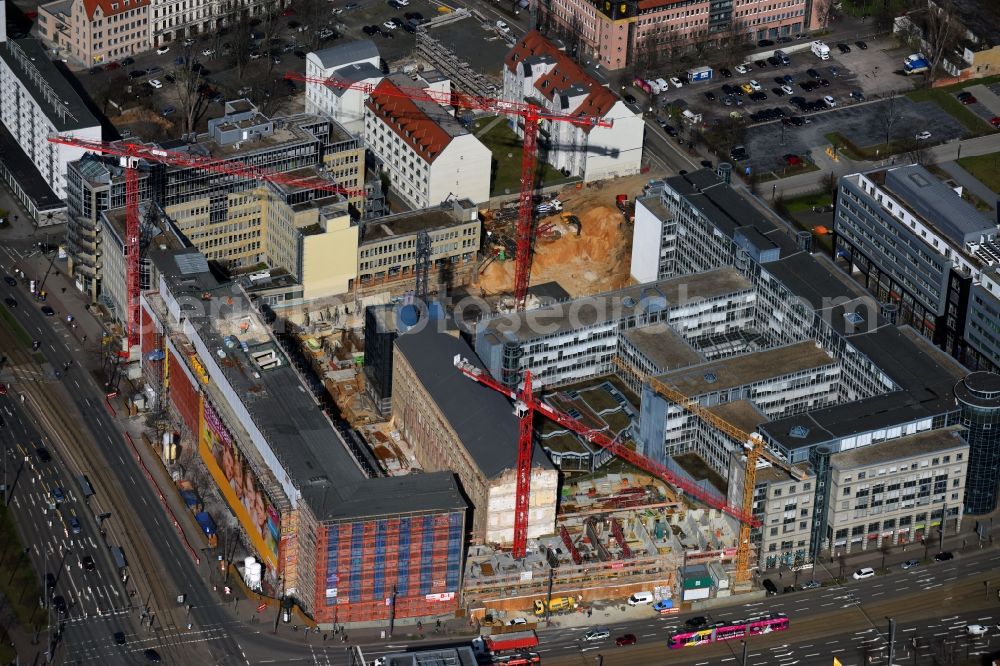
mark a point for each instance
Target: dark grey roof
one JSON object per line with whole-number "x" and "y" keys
{"x": 924, "y": 374}
{"x": 821, "y": 288}
{"x": 355, "y": 73}
{"x": 942, "y": 207}
{"x": 47, "y": 85}
{"x": 844, "y": 420}
{"x": 483, "y": 419}
{"x": 386, "y": 496}
{"x": 24, "y": 171}
{"x": 347, "y": 52}
{"x": 727, "y": 209}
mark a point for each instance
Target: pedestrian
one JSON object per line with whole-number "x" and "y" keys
{"x": 438, "y": 624}
{"x": 324, "y": 638}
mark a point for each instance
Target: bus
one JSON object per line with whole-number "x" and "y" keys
{"x": 726, "y": 631}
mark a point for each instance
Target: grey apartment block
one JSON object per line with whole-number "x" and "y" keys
{"x": 579, "y": 338}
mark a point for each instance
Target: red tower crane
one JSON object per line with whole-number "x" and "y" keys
{"x": 131, "y": 154}
{"x": 530, "y": 114}
{"x": 526, "y": 405}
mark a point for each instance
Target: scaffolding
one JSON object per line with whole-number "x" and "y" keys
{"x": 448, "y": 63}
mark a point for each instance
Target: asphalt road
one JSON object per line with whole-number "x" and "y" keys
{"x": 216, "y": 636}
{"x": 931, "y": 603}
{"x": 96, "y": 601}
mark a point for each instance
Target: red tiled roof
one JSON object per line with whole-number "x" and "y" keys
{"x": 566, "y": 73}
{"x": 106, "y": 10}
{"x": 409, "y": 121}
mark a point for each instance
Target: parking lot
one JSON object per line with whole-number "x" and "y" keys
{"x": 862, "y": 124}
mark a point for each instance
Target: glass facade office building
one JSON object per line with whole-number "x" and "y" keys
{"x": 979, "y": 398}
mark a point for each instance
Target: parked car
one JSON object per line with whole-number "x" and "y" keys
{"x": 861, "y": 45}
{"x": 865, "y": 572}
{"x": 968, "y": 100}
{"x": 788, "y": 79}
{"x": 844, "y": 48}
{"x": 676, "y": 82}
{"x": 627, "y": 639}
{"x": 710, "y": 96}
{"x": 765, "y": 42}
{"x": 943, "y": 556}
{"x": 830, "y": 101}
{"x": 389, "y": 25}
{"x": 665, "y": 605}
{"x": 923, "y": 136}
{"x": 670, "y": 130}
{"x": 812, "y": 73}
{"x": 168, "y": 111}
{"x": 370, "y": 29}
{"x": 503, "y": 27}
{"x": 162, "y": 50}
{"x": 858, "y": 95}
{"x": 769, "y": 586}
{"x": 995, "y": 122}
{"x": 792, "y": 160}
{"x": 743, "y": 69}
{"x": 725, "y": 73}
{"x": 786, "y": 89}
{"x": 155, "y": 84}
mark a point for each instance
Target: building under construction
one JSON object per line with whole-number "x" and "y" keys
{"x": 333, "y": 538}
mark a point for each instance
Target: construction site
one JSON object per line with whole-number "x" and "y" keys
{"x": 617, "y": 534}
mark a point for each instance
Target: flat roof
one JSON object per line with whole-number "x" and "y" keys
{"x": 741, "y": 413}
{"x": 663, "y": 346}
{"x": 845, "y": 420}
{"x": 50, "y": 89}
{"x": 925, "y": 372}
{"x": 483, "y": 419}
{"x": 305, "y": 441}
{"x": 612, "y": 305}
{"x": 408, "y": 222}
{"x": 27, "y": 175}
{"x": 820, "y": 286}
{"x": 727, "y": 209}
{"x": 736, "y": 371}
{"x": 925, "y": 194}
{"x": 654, "y": 202}
{"x": 910, "y": 446}
{"x": 387, "y": 496}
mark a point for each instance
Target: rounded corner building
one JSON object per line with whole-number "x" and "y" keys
{"x": 978, "y": 395}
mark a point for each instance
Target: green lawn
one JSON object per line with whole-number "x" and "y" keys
{"x": 986, "y": 168}
{"x": 18, "y": 582}
{"x": 806, "y": 202}
{"x": 506, "y": 170}
{"x": 945, "y": 98}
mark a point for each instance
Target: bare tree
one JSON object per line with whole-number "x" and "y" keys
{"x": 826, "y": 12}
{"x": 733, "y": 42}
{"x": 112, "y": 91}
{"x": 917, "y": 151}
{"x": 889, "y": 113}
{"x": 238, "y": 21}
{"x": 313, "y": 13}
{"x": 942, "y": 30}
{"x": 189, "y": 79}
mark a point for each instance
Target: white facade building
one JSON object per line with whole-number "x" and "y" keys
{"x": 172, "y": 20}
{"x": 36, "y": 101}
{"x": 536, "y": 70}
{"x": 429, "y": 156}
{"x": 357, "y": 63}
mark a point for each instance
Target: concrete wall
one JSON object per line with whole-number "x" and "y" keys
{"x": 647, "y": 234}
{"x": 541, "y": 511}
{"x": 329, "y": 259}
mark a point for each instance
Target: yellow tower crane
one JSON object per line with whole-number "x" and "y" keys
{"x": 755, "y": 450}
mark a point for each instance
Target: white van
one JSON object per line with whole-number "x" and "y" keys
{"x": 640, "y": 598}
{"x": 820, "y": 50}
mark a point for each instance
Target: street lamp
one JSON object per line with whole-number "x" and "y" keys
{"x": 743, "y": 661}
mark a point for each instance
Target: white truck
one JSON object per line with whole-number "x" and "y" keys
{"x": 820, "y": 50}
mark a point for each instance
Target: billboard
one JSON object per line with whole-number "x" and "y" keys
{"x": 240, "y": 486}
